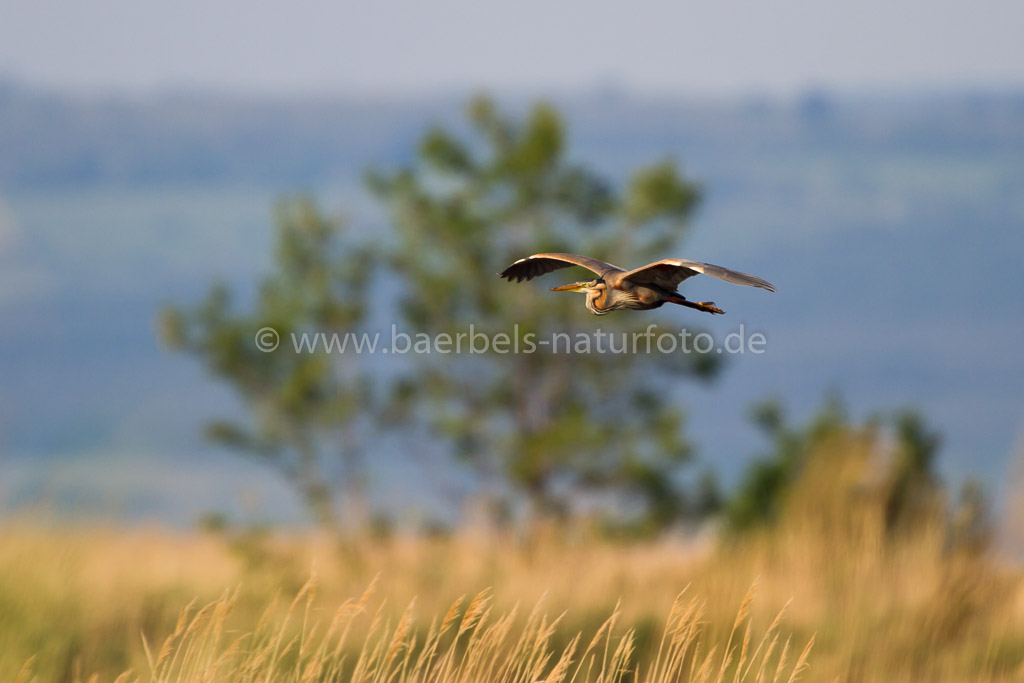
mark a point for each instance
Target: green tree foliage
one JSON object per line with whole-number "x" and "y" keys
{"x": 304, "y": 408}
{"x": 550, "y": 425}
{"x": 914, "y": 482}
{"x": 882, "y": 471}
{"x": 762, "y": 491}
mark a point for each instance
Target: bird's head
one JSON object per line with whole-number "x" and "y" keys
{"x": 584, "y": 287}
{"x": 596, "y": 291}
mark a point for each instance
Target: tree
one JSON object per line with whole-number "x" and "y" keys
{"x": 762, "y": 491}
{"x": 832, "y": 457}
{"x": 915, "y": 486}
{"x": 554, "y": 426}
{"x": 304, "y": 407}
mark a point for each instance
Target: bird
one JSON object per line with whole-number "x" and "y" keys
{"x": 640, "y": 289}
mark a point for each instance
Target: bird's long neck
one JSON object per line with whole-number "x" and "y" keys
{"x": 595, "y": 302}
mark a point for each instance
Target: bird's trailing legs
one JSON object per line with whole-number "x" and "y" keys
{"x": 706, "y": 306}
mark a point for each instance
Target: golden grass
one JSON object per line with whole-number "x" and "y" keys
{"x": 551, "y": 606}
{"x": 469, "y": 644}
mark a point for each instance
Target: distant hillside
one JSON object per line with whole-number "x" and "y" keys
{"x": 51, "y": 140}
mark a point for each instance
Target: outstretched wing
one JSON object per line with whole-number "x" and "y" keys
{"x": 539, "y": 264}
{"x": 669, "y": 273}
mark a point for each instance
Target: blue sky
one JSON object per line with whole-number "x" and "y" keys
{"x": 411, "y": 46}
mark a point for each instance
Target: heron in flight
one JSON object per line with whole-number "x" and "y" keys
{"x": 641, "y": 289}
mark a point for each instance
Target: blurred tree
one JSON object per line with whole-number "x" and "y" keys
{"x": 915, "y": 486}
{"x": 836, "y": 458}
{"x": 709, "y": 500}
{"x": 549, "y": 424}
{"x": 971, "y": 527}
{"x": 762, "y": 490}
{"x": 304, "y": 407}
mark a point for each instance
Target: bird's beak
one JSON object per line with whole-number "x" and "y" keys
{"x": 574, "y": 287}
